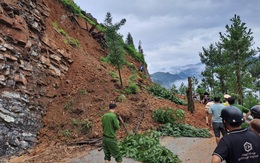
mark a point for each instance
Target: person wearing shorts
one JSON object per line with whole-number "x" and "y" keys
{"x": 214, "y": 117}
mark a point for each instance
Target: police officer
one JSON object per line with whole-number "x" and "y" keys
{"x": 239, "y": 145}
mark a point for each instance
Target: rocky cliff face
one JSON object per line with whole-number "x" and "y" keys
{"x": 31, "y": 65}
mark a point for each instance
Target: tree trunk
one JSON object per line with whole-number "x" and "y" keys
{"x": 238, "y": 82}
{"x": 119, "y": 72}
{"x": 189, "y": 94}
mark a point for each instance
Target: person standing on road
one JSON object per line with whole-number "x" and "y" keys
{"x": 214, "y": 117}
{"x": 110, "y": 124}
{"x": 239, "y": 145}
{"x": 207, "y": 111}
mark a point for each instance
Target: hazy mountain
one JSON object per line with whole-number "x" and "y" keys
{"x": 177, "y": 74}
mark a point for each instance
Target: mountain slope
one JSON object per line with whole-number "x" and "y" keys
{"x": 168, "y": 76}
{"x": 58, "y": 86}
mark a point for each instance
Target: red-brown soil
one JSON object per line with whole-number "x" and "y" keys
{"x": 86, "y": 91}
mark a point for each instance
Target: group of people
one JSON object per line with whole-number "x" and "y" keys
{"x": 237, "y": 144}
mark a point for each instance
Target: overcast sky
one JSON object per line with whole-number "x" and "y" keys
{"x": 173, "y": 32}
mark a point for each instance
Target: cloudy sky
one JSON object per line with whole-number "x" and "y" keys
{"x": 173, "y": 32}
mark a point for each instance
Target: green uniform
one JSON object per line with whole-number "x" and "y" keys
{"x": 110, "y": 124}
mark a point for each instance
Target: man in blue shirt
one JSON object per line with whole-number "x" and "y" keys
{"x": 214, "y": 117}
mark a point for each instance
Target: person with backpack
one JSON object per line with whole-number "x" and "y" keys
{"x": 239, "y": 145}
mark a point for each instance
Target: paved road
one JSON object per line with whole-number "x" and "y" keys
{"x": 189, "y": 150}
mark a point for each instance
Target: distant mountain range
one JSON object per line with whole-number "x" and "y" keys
{"x": 177, "y": 74}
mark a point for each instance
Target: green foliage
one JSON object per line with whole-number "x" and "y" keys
{"x": 115, "y": 44}
{"x": 66, "y": 133}
{"x": 77, "y": 11}
{"x": 168, "y": 115}
{"x": 242, "y": 108}
{"x": 173, "y": 89}
{"x": 147, "y": 149}
{"x": 132, "y": 88}
{"x": 73, "y": 42}
{"x": 55, "y": 25}
{"x": 173, "y": 121}
{"x": 134, "y": 54}
{"x": 228, "y": 61}
{"x": 113, "y": 75}
{"x": 182, "y": 89}
{"x": 132, "y": 77}
{"x": 183, "y": 130}
{"x": 250, "y": 99}
{"x": 121, "y": 98}
{"x": 129, "y": 40}
{"x": 83, "y": 125}
{"x": 69, "y": 104}
{"x": 104, "y": 59}
{"x": 83, "y": 91}
{"x": 140, "y": 49}
{"x": 160, "y": 92}
{"x": 131, "y": 66}
{"x": 69, "y": 40}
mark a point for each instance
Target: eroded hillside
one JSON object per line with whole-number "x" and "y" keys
{"x": 48, "y": 86}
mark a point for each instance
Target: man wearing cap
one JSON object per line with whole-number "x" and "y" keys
{"x": 239, "y": 145}
{"x": 110, "y": 124}
{"x": 226, "y": 96}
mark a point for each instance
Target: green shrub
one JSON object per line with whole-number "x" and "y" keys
{"x": 65, "y": 133}
{"x": 173, "y": 121}
{"x": 113, "y": 75}
{"x": 131, "y": 66}
{"x": 69, "y": 104}
{"x": 168, "y": 115}
{"x": 69, "y": 40}
{"x": 83, "y": 91}
{"x": 132, "y": 89}
{"x": 183, "y": 130}
{"x": 134, "y": 54}
{"x": 83, "y": 125}
{"x": 242, "y": 108}
{"x": 121, "y": 98}
{"x": 160, "y": 92}
{"x": 75, "y": 9}
{"x": 73, "y": 42}
{"x": 104, "y": 59}
{"x": 146, "y": 148}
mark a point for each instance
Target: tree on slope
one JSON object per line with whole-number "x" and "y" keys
{"x": 129, "y": 40}
{"x": 237, "y": 42}
{"x": 140, "y": 49}
{"x": 215, "y": 68}
{"x": 115, "y": 44}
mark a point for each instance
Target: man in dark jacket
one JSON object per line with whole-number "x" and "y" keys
{"x": 110, "y": 124}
